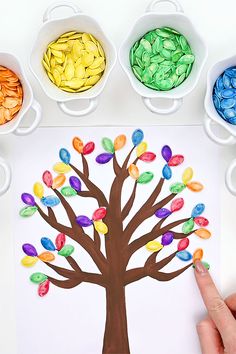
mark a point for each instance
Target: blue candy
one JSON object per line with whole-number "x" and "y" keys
{"x": 166, "y": 172}
{"x": 198, "y": 210}
{"x": 50, "y": 201}
{"x": 224, "y": 95}
{"x": 47, "y": 244}
{"x": 64, "y": 156}
{"x": 184, "y": 256}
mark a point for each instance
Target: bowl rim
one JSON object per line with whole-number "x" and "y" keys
{"x": 222, "y": 63}
{"x": 20, "y": 115}
{"x": 105, "y": 76}
{"x": 163, "y": 94}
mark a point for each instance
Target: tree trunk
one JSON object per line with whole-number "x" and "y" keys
{"x": 116, "y": 334}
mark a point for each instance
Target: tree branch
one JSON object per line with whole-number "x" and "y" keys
{"x": 96, "y": 192}
{"x": 150, "y": 236}
{"x": 116, "y": 166}
{"x": 78, "y": 275}
{"x": 128, "y": 206}
{"x": 85, "y": 166}
{"x": 65, "y": 284}
{"x": 161, "y": 276}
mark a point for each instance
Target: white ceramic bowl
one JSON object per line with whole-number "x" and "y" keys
{"x": 211, "y": 114}
{"x": 52, "y": 29}
{"x": 10, "y": 61}
{"x": 177, "y": 20}
{"x": 7, "y": 176}
{"x": 228, "y": 178}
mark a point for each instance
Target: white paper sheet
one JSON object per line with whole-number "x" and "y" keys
{"x": 161, "y": 315}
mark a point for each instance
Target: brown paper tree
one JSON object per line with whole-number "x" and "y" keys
{"x": 108, "y": 223}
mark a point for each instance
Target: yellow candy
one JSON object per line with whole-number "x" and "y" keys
{"x": 187, "y": 175}
{"x": 100, "y": 227}
{"x": 38, "y": 190}
{"x": 141, "y": 148}
{"x": 154, "y": 246}
{"x": 203, "y": 233}
{"x": 133, "y": 171}
{"x": 61, "y": 167}
{"x": 58, "y": 181}
{"x": 57, "y": 76}
{"x": 74, "y": 57}
{"x": 29, "y": 261}
{"x": 92, "y": 80}
{"x": 80, "y": 71}
{"x": 69, "y": 71}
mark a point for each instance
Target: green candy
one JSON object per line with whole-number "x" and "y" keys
{"x": 68, "y": 191}
{"x": 188, "y": 226}
{"x": 206, "y": 265}
{"x": 162, "y": 59}
{"x": 38, "y": 278}
{"x": 108, "y": 145}
{"x": 66, "y": 251}
{"x": 145, "y": 178}
{"x": 28, "y": 211}
{"x": 177, "y": 187}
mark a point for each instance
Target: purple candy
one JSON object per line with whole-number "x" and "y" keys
{"x": 166, "y": 153}
{"x": 167, "y": 238}
{"x": 104, "y": 158}
{"x": 28, "y": 199}
{"x": 162, "y": 213}
{"x": 29, "y": 250}
{"x": 75, "y": 183}
{"x": 83, "y": 221}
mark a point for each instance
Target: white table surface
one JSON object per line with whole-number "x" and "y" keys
{"x": 119, "y": 105}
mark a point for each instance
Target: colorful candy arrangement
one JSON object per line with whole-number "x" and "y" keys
{"x": 75, "y": 61}
{"x": 98, "y": 219}
{"x": 162, "y": 59}
{"x": 224, "y": 95}
{"x": 11, "y": 95}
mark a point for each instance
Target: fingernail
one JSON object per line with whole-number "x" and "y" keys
{"x": 200, "y": 268}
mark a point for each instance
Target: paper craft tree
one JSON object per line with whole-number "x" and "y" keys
{"x": 107, "y": 222}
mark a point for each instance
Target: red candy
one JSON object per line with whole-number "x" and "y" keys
{"x": 183, "y": 244}
{"x": 147, "y": 157}
{"x": 88, "y": 148}
{"x": 201, "y": 221}
{"x": 60, "y": 241}
{"x": 176, "y": 160}
{"x": 47, "y": 179}
{"x": 43, "y": 288}
{"x": 177, "y": 204}
{"x": 99, "y": 214}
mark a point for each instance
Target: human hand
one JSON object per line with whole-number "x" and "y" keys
{"x": 217, "y": 332}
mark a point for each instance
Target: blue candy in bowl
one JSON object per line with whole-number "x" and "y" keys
{"x": 224, "y": 95}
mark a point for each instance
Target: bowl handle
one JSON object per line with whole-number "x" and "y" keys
{"x": 152, "y": 6}
{"x": 172, "y": 109}
{"x": 207, "y": 126}
{"x": 7, "y": 176}
{"x": 228, "y": 178}
{"x": 93, "y": 103}
{"x": 37, "y": 118}
{"x": 47, "y": 15}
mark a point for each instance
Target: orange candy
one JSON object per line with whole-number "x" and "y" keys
{"x": 11, "y": 95}
{"x": 119, "y": 142}
{"x": 203, "y": 233}
{"x": 58, "y": 181}
{"x": 195, "y": 186}
{"x": 46, "y": 257}
{"x": 78, "y": 144}
{"x": 198, "y": 254}
{"x": 133, "y": 171}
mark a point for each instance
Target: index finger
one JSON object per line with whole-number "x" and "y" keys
{"x": 216, "y": 307}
